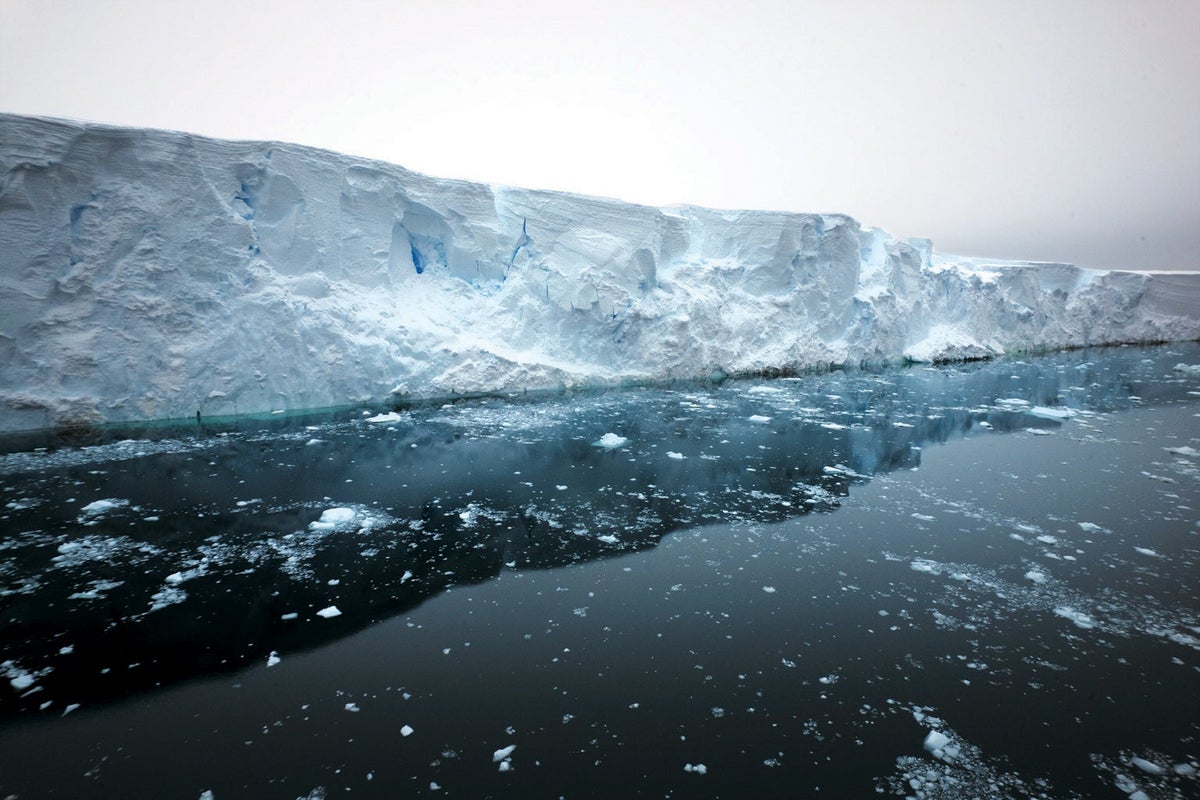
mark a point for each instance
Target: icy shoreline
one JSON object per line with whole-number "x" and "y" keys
{"x": 154, "y": 275}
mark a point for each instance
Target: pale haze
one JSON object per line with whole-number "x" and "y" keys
{"x": 1051, "y": 131}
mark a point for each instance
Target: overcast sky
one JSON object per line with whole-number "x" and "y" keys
{"x": 1040, "y": 130}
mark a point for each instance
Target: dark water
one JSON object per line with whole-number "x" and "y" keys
{"x": 771, "y": 589}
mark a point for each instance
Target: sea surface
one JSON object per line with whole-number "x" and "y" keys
{"x": 963, "y": 581}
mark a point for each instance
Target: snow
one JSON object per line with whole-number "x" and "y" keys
{"x": 286, "y": 277}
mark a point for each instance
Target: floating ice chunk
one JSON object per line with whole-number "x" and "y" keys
{"x": 1037, "y": 576}
{"x": 206, "y": 795}
{"x": 1046, "y": 412}
{"x": 1146, "y": 551}
{"x": 1194, "y": 369}
{"x": 1091, "y": 527}
{"x": 90, "y": 513}
{"x": 1014, "y": 402}
{"x": 923, "y": 517}
{"x": 610, "y": 441}
{"x": 167, "y": 596}
{"x": 273, "y": 659}
{"x": 608, "y": 538}
{"x": 289, "y": 615}
{"x": 1191, "y": 452}
{"x": 390, "y": 416}
{"x": 769, "y": 589}
{"x": 329, "y": 612}
{"x": 697, "y": 769}
{"x": 935, "y": 741}
{"x": 407, "y": 730}
{"x": 673, "y": 454}
{"x": 1047, "y": 539}
{"x": 21, "y": 681}
{"x": 1080, "y": 619}
{"x": 503, "y": 754}
{"x": 353, "y": 707}
{"x": 332, "y": 518}
{"x": 759, "y": 419}
{"x": 406, "y": 576}
{"x": 1149, "y": 767}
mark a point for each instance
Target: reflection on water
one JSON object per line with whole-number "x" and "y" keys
{"x": 131, "y": 564}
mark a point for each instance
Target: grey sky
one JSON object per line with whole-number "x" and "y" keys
{"x": 1040, "y": 130}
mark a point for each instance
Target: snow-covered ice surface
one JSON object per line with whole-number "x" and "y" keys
{"x": 153, "y": 275}
{"x": 849, "y": 583}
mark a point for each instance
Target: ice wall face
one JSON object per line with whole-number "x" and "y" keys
{"x": 147, "y": 274}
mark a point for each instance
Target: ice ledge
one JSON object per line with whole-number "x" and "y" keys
{"x": 153, "y": 274}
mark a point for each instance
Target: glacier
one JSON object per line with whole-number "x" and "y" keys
{"x": 148, "y": 274}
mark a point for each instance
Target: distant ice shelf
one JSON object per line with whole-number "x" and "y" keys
{"x": 150, "y": 274}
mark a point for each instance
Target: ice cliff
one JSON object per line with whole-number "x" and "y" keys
{"x": 151, "y": 274}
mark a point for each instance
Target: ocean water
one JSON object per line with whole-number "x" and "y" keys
{"x": 976, "y": 580}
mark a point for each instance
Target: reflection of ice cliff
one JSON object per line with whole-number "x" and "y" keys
{"x": 194, "y": 554}
{"x": 153, "y": 275}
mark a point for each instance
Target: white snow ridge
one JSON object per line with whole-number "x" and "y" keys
{"x": 285, "y": 277}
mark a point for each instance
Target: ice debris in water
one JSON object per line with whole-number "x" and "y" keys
{"x": 610, "y": 441}
{"x": 698, "y": 769}
{"x": 273, "y": 659}
{"x": 677, "y": 456}
{"x": 332, "y": 518}
{"x": 407, "y": 730}
{"x": 1148, "y": 767}
{"x": 390, "y": 416}
{"x": 503, "y": 757}
{"x": 206, "y": 795}
{"x": 103, "y": 506}
{"x": 937, "y": 744}
{"x": 1078, "y": 617}
{"x": 329, "y": 612}
{"x": 1045, "y": 412}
